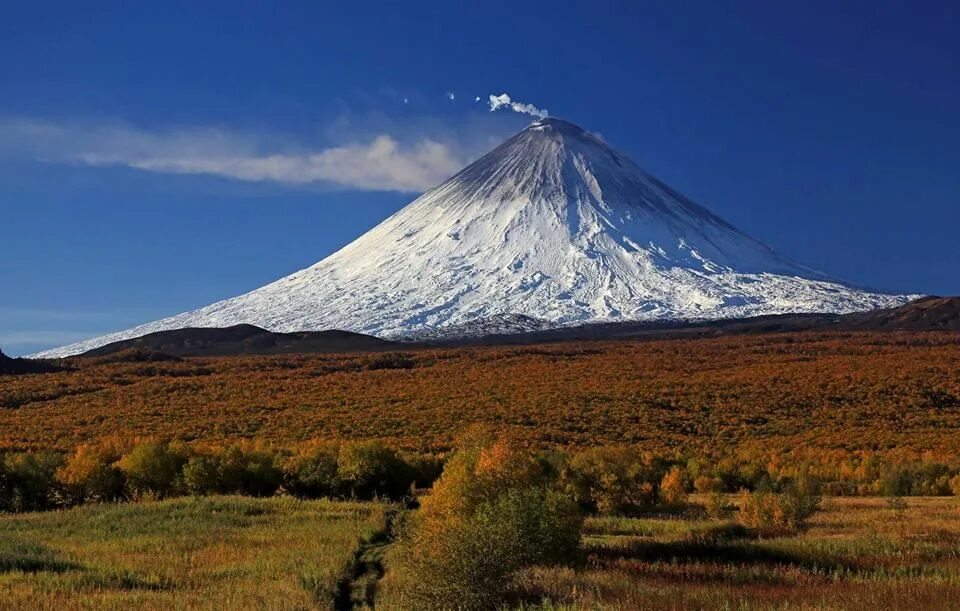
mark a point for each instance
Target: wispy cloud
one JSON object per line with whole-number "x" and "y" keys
{"x": 28, "y": 330}
{"x": 19, "y": 343}
{"x": 505, "y": 101}
{"x": 380, "y": 162}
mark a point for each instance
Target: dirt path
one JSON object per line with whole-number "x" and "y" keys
{"x": 359, "y": 589}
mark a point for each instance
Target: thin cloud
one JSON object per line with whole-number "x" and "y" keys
{"x": 15, "y": 343}
{"x": 381, "y": 163}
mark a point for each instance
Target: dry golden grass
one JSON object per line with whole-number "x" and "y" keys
{"x": 859, "y": 554}
{"x": 204, "y": 553}
{"x": 886, "y": 392}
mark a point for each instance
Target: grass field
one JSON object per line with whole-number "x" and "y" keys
{"x": 205, "y": 553}
{"x": 859, "y": 554}
{"x": 279, "y": 553}
{"x": 815, "y": 391}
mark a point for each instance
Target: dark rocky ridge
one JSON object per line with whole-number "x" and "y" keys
{"x": 924, "y": 314}
{"x": 243, "y": 339}
{"x": 12, "y": 366}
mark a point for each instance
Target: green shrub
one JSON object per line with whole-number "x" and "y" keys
{"x": 262, "y": 474}
{"x": 895, "y": 482}
{"x": 707, "y": 484}
{"x": 368, "y": 469}
{"x": 151, "y": 470}
{"x": 312, "y": 473}
{"x": 250, "y": 470}
{"x": 469, "y": 562}
{"x": 203, "y": 475}
{"x": 611, "y": 480}
{"x": 955, "y": 485}
{"x": 28, "y": 481}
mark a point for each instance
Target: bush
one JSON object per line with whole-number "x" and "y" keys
{"x": 249, "y": 470}
{"x": 774, "y": 514}
{"x": 955, "y": 485}
{"x": 493, "y": 511}
{"x": 611, "y": 480}
{"x": 28, "y": 481}
{"x": 706, "y": 484}
{"x": 203, "y": 475}
{"x": 368, "y": 469}
{"x": 718, "y": 507}
{"x": 91, "y": 475}
{"x": 673, "y": 489}
{"x": 262, "y": 475}
{"x": 312, "y": 473}
{"x": 468, "y": 562}
{"x": 151, "y": 470}
{"x": 895, "y": 482}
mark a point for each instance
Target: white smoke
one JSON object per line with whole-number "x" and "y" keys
{"x": 503, "y": 101}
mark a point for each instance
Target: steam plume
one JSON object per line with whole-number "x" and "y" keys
{"x": 503, "y": 101}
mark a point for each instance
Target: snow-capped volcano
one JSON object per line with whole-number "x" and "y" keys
{"x": 552, "y": 227}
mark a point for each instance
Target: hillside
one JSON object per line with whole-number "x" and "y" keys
{"x": 924, "y": 314}
{"x": 893, "y": 391}
{"x": 11, "y": 366}
{"x": 243, "y": 339}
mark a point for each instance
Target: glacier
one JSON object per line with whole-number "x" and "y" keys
{"x": 553, "y": 227}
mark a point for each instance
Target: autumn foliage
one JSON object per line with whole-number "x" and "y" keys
{"x": 495, "y": 510}
{"x": 886, "y": 393}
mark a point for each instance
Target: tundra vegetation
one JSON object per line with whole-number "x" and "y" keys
{"x": 761, "y": 472}
{"x": 502, "y": 527}
{"x": 837, "y": 395}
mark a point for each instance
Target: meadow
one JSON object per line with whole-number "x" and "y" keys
{"x": 857, "y": 554}
{"x": 280, "y": 553}
{"x": 197, "y": 553}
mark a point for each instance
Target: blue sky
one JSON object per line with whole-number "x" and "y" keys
{"x": 156, "y": 158}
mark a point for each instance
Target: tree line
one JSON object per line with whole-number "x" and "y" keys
{"x": 613, "y": 480}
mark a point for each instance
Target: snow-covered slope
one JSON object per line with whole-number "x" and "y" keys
{"x": 554, "y": 226}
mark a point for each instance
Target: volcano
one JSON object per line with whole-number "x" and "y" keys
{"x": 553, "y": 227}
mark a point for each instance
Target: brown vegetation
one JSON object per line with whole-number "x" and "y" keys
{"x": 828, "y": 394}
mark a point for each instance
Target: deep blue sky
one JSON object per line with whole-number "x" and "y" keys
{"x": 830, "y": 132}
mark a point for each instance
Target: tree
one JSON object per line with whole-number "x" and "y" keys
{"x": 91, "y": 475}
{"x": 368, "y": 469}
{"x": 673, "y": 490}
{"x": 29, "y": 481}
{"x": 151, "y": 469}
{"x": 203, "y": 475}
{"x": 611, "y": 480}
{"x": 312, "y": 473}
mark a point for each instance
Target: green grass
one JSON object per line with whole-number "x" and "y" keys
{"x": 197, "y": 553}
{"x": 858, "y": 554}
{"x": 280, "y": 553}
